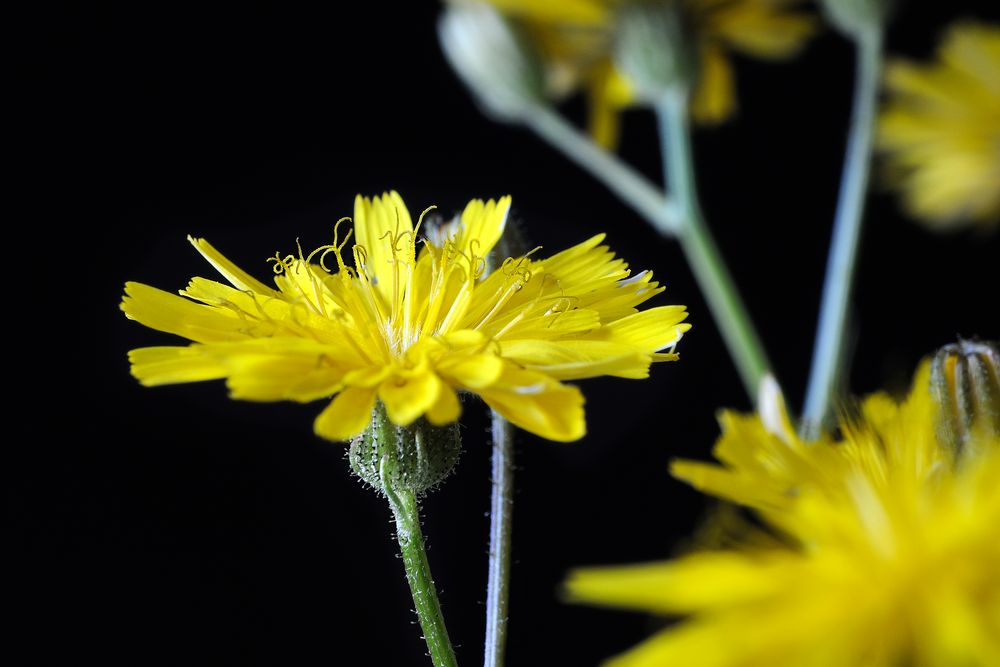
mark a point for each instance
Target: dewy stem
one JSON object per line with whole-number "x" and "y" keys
{"x": 501, "y": 507}
{"x": 418, "y": 574}
{"x": 827, "y": 361}
{"x": 699, "y": 247}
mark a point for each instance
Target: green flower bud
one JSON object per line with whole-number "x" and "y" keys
{"x": 965, "y": 384}
{"x": 500, "y": 69}
{"x": 417, "y": 457}
{"x": 857, "y": 16}
{"x": 652, "y": 47}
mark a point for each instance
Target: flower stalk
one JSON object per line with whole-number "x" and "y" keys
{"x": 501, "y": 509}
{"x": 630, "y": 186}
{"x": 827, "y": 361}
{"x": 406, "y": 512}
{"x": 677, "y": 217}
{"x": 699, "y": 247}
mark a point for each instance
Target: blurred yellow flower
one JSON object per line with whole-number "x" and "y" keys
{"x": 940, "y": 130}
{"x": 411, "y": 329}
{"x": 575, "y": 37}
{"x": 887, "y": 549}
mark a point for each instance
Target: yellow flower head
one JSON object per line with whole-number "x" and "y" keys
{"x": 574, "y": 37}
{"x": 888, "y": 549}
{"x": 411, "y": 329}
{"x": 940, "y": 130}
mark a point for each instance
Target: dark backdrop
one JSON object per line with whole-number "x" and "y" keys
{"x": 176, "y": 526}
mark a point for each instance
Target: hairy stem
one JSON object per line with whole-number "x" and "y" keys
{"x": 418, "y": 574}
{"x": 501, "y": 509}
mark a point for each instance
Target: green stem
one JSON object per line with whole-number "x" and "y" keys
{"x": 619, "y": 177}
{"x": 699, "y": 247}
{"x": 681, "y": 219}
{"x": 827, "y": 362}
{"x": 418, "y": 574}
{"x": 501, "y": 506}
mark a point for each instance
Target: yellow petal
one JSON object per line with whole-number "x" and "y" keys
{"x": 472, "y": 371}
{"x": 370, "y": 376}
{"x": 683, "y": 585}
{"x": 603, "y": 123}
{"x": 169, "y": 365}
{"x": 407, "y": 398}
{"x": 481, "y": 226}
{"x": 464, "y": 338}
{"x": 761, "y": 29}
{"x": 608, "y": 94}
{"x": 651, "y": 330}
{"x": 270, "y": 377}
{"x": 173, "y": 314}
{"x": 581, "y": 12}
{"x": 578, "y": 359}
{"x": 722, "y": 482}
{"x": 537, "y": 403}
{"x": 234, "y": 274}
{"x": 348, "y": 414}
{"x": 382, "y": 226}
{"x": 447, "y": 409}
{"x": 714, "y": 98}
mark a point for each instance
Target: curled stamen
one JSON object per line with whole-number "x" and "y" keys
{"x": 516, "y": 269}
{"x": 298, "y": 246}
{"x": 229, "y": 305}
{"x": 260, "y": 307}
{"x": 321, "y": 249}
{"x": 470, "y": 259}
{"x": 505, "y": 266}
{"x": 300, "y": 312}
{"x": 563, "y": 304}
{"x": 420, "y": 220}
{"x": 395, "y": 238}
{"x": 336, "y": 229}
{"x": 477, "y": 265}
{"x": 337, "y": 249}
{"x": 360, "y": 256}
{"x": 282, "y": 264}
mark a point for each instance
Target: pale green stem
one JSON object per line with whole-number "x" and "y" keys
{"x": 501, "y": 507}
{"x": 827, "y": 361}
{"x": 699, "y": 247}
{"x": 680, "y": 219}
{"x": 418, "y": 574}
{"x": 619, "y": 177}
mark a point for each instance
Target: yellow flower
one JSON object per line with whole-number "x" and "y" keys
{"x": 413, "y": 329}
{"x": 574, "y": 38}
{"x": 940, "y": 130}
{"x": 888, "y": 549}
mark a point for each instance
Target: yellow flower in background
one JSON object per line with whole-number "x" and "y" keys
{"x": 575, "y": 37}
{"x": 940, "y": 130}
{"x": 412, "y": 329}
{"x": 887, "y": 549}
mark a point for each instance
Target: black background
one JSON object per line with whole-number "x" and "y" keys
{"x": 176, "y": 526}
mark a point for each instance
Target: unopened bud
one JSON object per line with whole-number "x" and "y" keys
{"x": 653, "y": 48}
{"x": 855, "y": 17}
{"x": 965, "y": 384}
{"x": 415, "y": 457}
{"x": 500, "y": 69}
